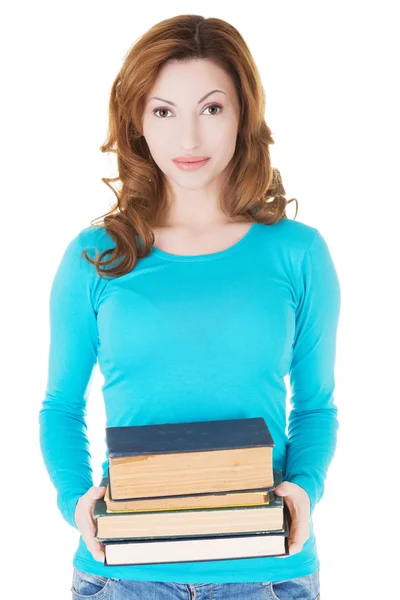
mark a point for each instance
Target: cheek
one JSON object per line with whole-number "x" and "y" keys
{"x": 223, "y": 138}
{"x": 158, "y": 142}
{"x": 152, "y": 134}
{"x": 160, "y": 152}
{"x": 223, "y": 147}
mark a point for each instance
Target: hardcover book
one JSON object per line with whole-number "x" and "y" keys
{"x": 190, "y": 521}
{"x": 200, "y": 457}
{"x": 199, "y": 548}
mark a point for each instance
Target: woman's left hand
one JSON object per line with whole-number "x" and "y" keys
{"x": 298, "y": 503}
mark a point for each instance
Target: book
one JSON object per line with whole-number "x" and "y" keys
{"x": 190, "y": 521}
{"x": 204, "y": 548}
{"x": 200, "y": 457}
{"x": 212, "y": 499}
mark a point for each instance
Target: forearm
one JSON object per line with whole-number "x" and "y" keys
{"x": 312, "y": 441}
{"x": 66, "y": 454}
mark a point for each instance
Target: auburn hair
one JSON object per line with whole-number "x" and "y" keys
{"x": 253, "y": 189}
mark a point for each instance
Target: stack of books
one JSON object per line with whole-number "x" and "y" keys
{"x": 193, "y": 491}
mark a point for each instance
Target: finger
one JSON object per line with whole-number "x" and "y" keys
{"x": 95, "y": 547}
{"x": 296, "y": 541}
{"x": 298, "y": 534}
{"x": 300, "y": 529}
{"x": 293, "y": 549}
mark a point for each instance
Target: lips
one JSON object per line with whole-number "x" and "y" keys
{"x": 190, "y": 159}
{"x": 192, "y": 165}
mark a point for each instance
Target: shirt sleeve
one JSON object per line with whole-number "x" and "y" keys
{"x": 71, "y": 364}
{"x": 313, "y": 422}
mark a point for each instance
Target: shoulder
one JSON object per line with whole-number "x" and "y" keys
{"x": 94, "y": 236}
{"x": 93, "y": 239}
{"x": 293, "y": 237}
{"x": 310, "y": 253}
{"x": 290, "y": 229}
{"x": 297, "y": 246}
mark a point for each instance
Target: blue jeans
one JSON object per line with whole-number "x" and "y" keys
{"x": 96, "y": 587}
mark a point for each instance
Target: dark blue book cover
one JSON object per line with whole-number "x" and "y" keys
{"x": 195, "y": 436}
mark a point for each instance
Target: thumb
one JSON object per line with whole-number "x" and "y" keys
{"x": 282, "y": 489}
{"x": 95, "y": 492}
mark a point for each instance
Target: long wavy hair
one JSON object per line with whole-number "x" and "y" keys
{"x": 252, "y": 189}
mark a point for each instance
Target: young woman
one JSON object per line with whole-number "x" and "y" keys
{"x": 197, "y": 296}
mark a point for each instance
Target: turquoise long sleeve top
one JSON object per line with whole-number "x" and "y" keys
{"x": 195, "y": 338}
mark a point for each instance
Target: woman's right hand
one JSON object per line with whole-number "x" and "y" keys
{"x": 86, "y": 523}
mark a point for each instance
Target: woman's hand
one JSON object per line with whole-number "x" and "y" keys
{"x": 298, "y": 503}
{"x": 86, "y": 523}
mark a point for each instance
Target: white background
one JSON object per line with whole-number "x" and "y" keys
{"x": 330, "y": 75}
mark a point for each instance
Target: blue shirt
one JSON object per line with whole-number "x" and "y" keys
{"x": 195, "y": 338}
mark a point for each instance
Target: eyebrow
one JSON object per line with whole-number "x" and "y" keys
{"x": 199, "y": 102}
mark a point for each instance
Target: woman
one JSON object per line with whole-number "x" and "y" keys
{"x": 197, "y": 295}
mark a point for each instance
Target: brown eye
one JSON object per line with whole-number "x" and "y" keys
{"x": 157, "y": 109}
{"x": 214, "y": 106}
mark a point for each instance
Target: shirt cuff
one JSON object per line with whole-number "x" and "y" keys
{"x": 67, "y": 506}
{"x": 308, "y": 484}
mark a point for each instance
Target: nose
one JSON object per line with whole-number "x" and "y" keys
{"x": 190, "y": 137}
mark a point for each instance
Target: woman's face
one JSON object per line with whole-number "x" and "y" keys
{"x": 186, "y": 119}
